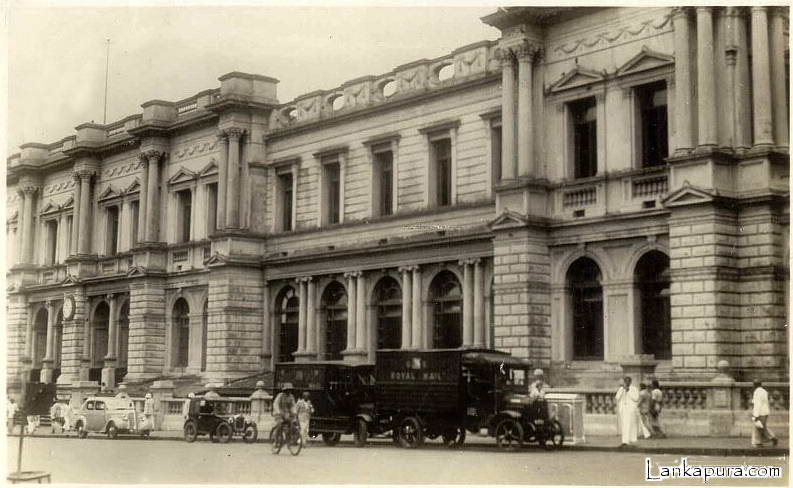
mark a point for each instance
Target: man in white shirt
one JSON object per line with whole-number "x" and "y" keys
{"x": 628, "y": 412}
{"x": 760, "y": 411}
{"x": 538, "y": 386}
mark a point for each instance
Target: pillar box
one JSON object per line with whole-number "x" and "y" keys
{"x": 641, "y": 368}
{"x": 161, "y": 390}
{"x": 724, "y": 399}
{"x": 261, "y": 402}
{"x": 568, "y": 408}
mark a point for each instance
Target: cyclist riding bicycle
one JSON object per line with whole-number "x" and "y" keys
{"x": 284, "y": 407}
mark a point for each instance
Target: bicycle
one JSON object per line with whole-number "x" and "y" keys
{"x": 290, "y": 437}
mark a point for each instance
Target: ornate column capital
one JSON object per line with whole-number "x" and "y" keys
{"x": 82, "y": 174}
{"x": 29, "y": 190}
{"x": 505, "y": 56}
{"x": 153, "y": 155}
{"x": 527, "y": 51}
{"x": 110, "y": 297}
{"x": 234, "y": 133}
{"x": 407, "y": 269}
{"x": 680, "y": 12}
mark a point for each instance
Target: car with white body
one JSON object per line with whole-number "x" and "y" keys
{"x": 111, "y": 416}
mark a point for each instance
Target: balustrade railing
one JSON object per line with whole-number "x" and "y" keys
{"x": 580, "y": 197}
{"x": 180, "y": 256}
{"x": 650, "y": 186}
{"x": 187, "y": 107}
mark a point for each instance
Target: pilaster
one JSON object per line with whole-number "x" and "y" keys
{"x": 146, "y": 353}
{"x": 73, "y": 336}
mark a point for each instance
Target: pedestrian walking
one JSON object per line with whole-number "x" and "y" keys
{"x": 760, "y": 411}
{"x": 11, "y": 411}
{"x": 148, "y": 411}
{"x": 304, "y": 410}
{"x": 656, "y": 404}
{"x": 645, "y": 400}
{"x": 186, "y": 406}
{"x": 56, "y": 418}
{"x": 628, "y": 412}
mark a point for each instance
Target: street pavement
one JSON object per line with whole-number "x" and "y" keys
{"x": 133, "y": 460}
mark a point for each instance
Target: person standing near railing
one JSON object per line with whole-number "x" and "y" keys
{"x": 656, "y": 404}
{"x": 760, "y": 411}
{"x": 628, "y": 412}
{"x": 148, "y": 411}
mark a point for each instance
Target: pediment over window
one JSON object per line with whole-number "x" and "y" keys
{"x": 644, "y": 60}
{"x": 215, "y": 259}
{"x": 134, "y": 187}
{"x": 70, "y": 280}
{"x": 576, "y": 78}
{"x": 688, "y": 195}
{"x": 68, "y": 203}
{"x": 209, "y": 169}
{"x": 507, "y": 220}
{"x": 49, "y": 208}
{"x": 136, "y": 271}
{"x": 182, "y": 176}
{"x": 108, "y": 193}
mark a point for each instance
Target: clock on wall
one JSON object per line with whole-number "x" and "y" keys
{"x": 68, "y": 308}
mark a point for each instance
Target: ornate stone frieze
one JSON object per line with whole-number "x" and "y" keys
{"x": 198, "y": 148}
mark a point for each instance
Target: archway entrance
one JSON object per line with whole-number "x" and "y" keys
{"x": 652, "y": 281}
{"x": 447, "y": 311}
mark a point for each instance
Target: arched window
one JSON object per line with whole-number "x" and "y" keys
{"x": 334, "y": 308}
{"x": 447, "y": 301}
{"x": 389, "y": 314}
{"x": 181, "y": 333}
{"x": 586, "y": 295}
{"x": 204, "y": 331}
{"x": 288, "y": 308}
{"x": 652, "y": 281}
{"x": 99, "y": 333}
{"x": 123, "y": 342}
{"x": 39, "y": 343}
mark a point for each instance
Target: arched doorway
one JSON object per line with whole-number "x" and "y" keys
{"x": 204, "y": 330}
{"x": 447, "y": 311}
{"x": 652, "y": 283}
{"x": 586, "y": 301}
{"x": 388, "y": 297}
{"x": 39, "y": 346}
{"x": 58, "y": 349}
{"x": 122, "y": 363}
{"x": 334, "y": 310}
{"x": 287, "y": 310}
{"x": 180, "y": 337}
{"x": 99, "y": 333}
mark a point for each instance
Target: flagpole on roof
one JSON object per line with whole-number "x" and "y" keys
{"x": 107, "y": 66}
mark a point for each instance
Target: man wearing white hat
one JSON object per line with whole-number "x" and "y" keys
{"x": 538, "y": 386}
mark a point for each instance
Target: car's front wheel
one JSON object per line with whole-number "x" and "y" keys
{"x": 223, "y": 432}
{"x": 250, "y": 434}
{"x": 190, "y": 431}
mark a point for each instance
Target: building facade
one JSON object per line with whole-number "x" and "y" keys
{"x": 600, "y": 185}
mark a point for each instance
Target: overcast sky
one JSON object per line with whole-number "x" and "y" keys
{"x": 56, "y": 63}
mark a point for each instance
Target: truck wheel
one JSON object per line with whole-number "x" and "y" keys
{"x": 223, "y": 432}
{"x": 410, "y": 433}
{"x": 190, "y": 431}
{"x": 331, "y": 438}
{"x": 361, "y": 433}
{"x": 509, "y": 435}
{"x": 250, "y": 434}
{"x": 112, "y": 431}
{"x": 455, "y": 437}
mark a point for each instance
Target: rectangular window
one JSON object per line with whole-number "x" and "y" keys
{"x": 584, "y": 119}
{"x": 185, "y": 202}
{"x": 654, "y": 126}
{"x": 383, "y": 181}
{"x": 112, "y": 230}
{"x": 495, "y": 151}
{"x": 134, "y": 224}
{"x": 442, "y": 159}
{"x": 286, "y": 195}
{"x": 212, "y": 208}
{"x": 52, "y": 242}
{"x": 332, "y": 202}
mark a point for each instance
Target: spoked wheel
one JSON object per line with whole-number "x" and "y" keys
{"x": 223, "y": 433}
{"x": 361, "y": 433}
{"x": 331, "y": 438}
{"x": 250, "y": 434}
{"x": 455, "y": 437}
{"x": 410, "y": 433}
{"x": 556, "y": 438}
{"x": 509, "y": 435}
{"x": 190, "y": 431}
{"x": 294, "y": 441}
{"x": 530, "y": 434}
{"x": 112, "y": 431}
{"x": 277, "y": 440}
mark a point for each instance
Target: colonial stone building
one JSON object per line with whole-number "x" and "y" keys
{"x": 598, "y": 185}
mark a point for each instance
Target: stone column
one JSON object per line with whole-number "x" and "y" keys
{"x": 480, "y": 327}
{"x": 49, "y": 359}
{"x": 311, "y": 318}
{"x": 109, "y": 367}
{"x": 143, "y": 199}
{"x": 352, "y": 315}
{"x": 62, "y": 242}
{"x": 360, "y": 314}
{"x": 233, "y": 176}
{"x": 706, "y": 82}
{"x": 682, "y": 107}
{"x": 407, "y": 306}
{"x": 84, "y": 238}
{"x": 778, "y": 85}
{"x": 730, "y": 59}
{"x": 267, "y": 325}
{"x": 220, "y": 221}
{"x": 74, "y": 244}
{"x": 301, "y": 318}
{"x": 761, "y": 79}
{"x": 507, "y": 114}
{"x": 468, "y": 303}
{"x": 743, "y": 89}
{"x": 526, "y": 54}
{"x": 152, "y": 203}
{"x": 28, "y": 195}
{"x": 418, "y": 329}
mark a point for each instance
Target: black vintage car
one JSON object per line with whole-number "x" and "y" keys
{"x": 206, "y": 417}
{"x": 341, "y": 394}
{"x": 444, "y": 393}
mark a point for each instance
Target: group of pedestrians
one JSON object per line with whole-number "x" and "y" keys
{"x": 639, "y": 411}
{"x": 286, "y": 409}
